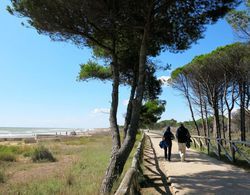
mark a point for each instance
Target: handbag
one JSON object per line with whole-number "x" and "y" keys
{"x": 188, "y": 143}
{"x": 163, "y": 144}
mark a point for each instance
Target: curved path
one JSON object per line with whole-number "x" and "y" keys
{"x": 200, "y": 174}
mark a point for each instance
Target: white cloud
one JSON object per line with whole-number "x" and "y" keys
{"x": 125, "y": 102}
{"x": 164, "y": 80}
{"x": 101, "y": 110}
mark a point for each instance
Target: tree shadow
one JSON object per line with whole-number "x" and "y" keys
{"x": 215, "y": 182}
{"x": 153, "y": 176}
{"x": 222, "y": 179}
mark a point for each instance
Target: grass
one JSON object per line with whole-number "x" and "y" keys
{"x": 2, "y": 176}
{"x": 19, "y": 149}
{"x": 82, "y": 176}
{"x": 8, "y": 157}
{"x": 10, "y": 153}
{"x": 42, "y": 154}
{"x": 79, "y": 169}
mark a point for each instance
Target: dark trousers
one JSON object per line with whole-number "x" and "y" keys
{"x": 167, "y": 152}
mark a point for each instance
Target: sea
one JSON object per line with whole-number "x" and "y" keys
{"x": 24, "y": 132}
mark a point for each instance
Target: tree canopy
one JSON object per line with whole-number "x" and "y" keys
{"x": 151, "y": 112}
{"x": 240, "y": 21}
{"x": 215, "y": 82}
{"x": 141, "y": 28}
{"x": 92, "y": 70}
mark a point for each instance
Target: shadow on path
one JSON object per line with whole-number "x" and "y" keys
{"x": 201, "y": 174}
{"x": 155, "y": 181}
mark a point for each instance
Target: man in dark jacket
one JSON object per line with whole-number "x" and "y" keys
{"x": 168, "y": 137}
{"x": 183, "y": 136}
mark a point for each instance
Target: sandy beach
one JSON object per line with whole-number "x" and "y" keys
{"x": 33, "y": 138}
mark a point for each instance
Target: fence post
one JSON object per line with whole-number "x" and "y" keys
{"x": 200, "y": 143}
{"x": 232, "y": 151}
{"x": 218, "y": 140}
{"x": 194, "y": 142}
{"x": 129, "y": 184}
{"x": 208, "y": 145}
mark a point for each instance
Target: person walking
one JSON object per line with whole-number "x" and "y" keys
{"x": 183, "y": 136}
{"x": 168, "y": 137}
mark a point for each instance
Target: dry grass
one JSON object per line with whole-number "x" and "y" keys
{"x": 79, "y": 169}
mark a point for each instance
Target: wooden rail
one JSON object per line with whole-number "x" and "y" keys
{"x": 129, "y": 184}
{"x": 203, "y": 142}
{"x": 220, "y": 145}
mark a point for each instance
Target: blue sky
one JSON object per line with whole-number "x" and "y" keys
{"x": 38, "y": 79}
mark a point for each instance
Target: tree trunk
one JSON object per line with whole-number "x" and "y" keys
{"x": 242, "y": 87}
{"x": 192, "y": 114}
{"x": 119, "y": 158}
{"x": 229, "y": 115}
{"x": 248, "y": 97}
{"x": 222, "y": 117}
{"x": 202, "y": 114}
{"x": 229, "y": 125}
{"x": 129, "y": 107}
{"x": 217, "y": 123}
{"x": 207, "y": 126}
{"x": 116, "y": 165}
{"x": 206, "y": 116}
{"x": 203, "y": 121}
{"x": 114, "y": 105}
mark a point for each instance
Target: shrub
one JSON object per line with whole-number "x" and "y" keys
{"x": 42, "y": 154}
{"x": 7, "y": 156}
{"x": 28, "y": 154}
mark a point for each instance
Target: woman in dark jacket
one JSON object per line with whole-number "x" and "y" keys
{"x": 168, "y": 137}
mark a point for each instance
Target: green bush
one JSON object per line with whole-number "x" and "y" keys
{"x": 42, "y": 154}
{"x": 28, "y": 153}
{"x": 9, "y": 153}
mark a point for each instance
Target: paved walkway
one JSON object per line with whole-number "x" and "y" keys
{"x": 200, "y": 174}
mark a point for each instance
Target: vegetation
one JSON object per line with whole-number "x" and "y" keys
{"x": 41, "y": 154}
{"x": 151, "y": 112}
{"x": 79, "y": 169}
{"x": 93, "y": 70}
{"x": 240, "y": 21}
{"x": 2, "y": 176}
{"x": 116, "y": 29}
{"x": 7, "y": 157}
{"x": 165, "y": 123}
{"x": 214, "y": 83}
{"x": 10, "y": 153}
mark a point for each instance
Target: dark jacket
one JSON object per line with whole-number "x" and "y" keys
{"x": 182, "y": 134}
{"x": 168, "y": 136}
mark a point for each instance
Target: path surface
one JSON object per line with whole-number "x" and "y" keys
{"x": 155, "y": 179}
{"x": 200, "y": 174}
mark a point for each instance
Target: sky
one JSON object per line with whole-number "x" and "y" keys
{"x": 39, "y": 87}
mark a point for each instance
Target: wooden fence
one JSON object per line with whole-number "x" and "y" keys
{"x": 129, "y": 184}
{"x": 219, "y": 145}
{"x": 230, "y": 148}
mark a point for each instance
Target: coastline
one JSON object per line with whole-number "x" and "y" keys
{"x": 67, "y": 133}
